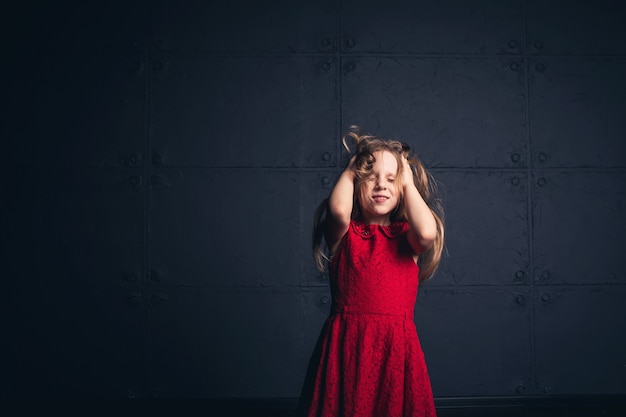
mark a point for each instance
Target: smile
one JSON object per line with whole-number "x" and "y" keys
{"x": 380, "y": 198}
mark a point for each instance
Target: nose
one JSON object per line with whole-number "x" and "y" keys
{"x": 380, "y": 184}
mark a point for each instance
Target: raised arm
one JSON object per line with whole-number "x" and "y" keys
{"x": 340, "y": 204}
{"x": 422, "y": 225}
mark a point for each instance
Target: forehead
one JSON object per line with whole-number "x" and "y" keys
{"x": 386, "y": 161}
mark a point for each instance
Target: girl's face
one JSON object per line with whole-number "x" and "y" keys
{"x": 379, "y": 194}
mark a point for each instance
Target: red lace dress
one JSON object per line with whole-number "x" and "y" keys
{"x": 368, "y": 361}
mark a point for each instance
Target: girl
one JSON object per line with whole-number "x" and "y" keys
{"x": 383, "y": 238}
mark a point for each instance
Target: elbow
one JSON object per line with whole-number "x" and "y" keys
{"x": 340, "y": 214}
{"x": 423, "y": 241}
{"x": 428, "y": 236}
{"x": 426, "y": 242}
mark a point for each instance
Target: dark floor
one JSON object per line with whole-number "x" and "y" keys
{"x": 470, "y": 412}
{"x": 467, "y": 412}
{"x": 563, "y": 407}
{"x": 558, "y": 407}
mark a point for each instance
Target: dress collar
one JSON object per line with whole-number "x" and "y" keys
{"x": 367, "y": 230}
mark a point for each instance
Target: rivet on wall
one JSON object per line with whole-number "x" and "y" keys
{"x": 325, "y": 300}
{"x": 545, "y": 275}
{"x": 350, "y": 43}
{"x": 350, "y": 66}
{"x": 154, "y": 275}
{"x": 520, "y": 275}
{"x": 163, "y": 43}
{"x": 542, "y": 182}
{"x": 520, "y": 389}
{"x": 515, "y": 181}
{"x": 542, "y": 157}
{"x": 135, "y": 182}
{"x": 515, "y": 157}
{"x": 520, "y": 300}
{"x": 133, "y": 159}
{"x": 538, "y": 45}
{"x": 135, "y": 67}
{"x": 134, "y": 298}
{"x": 158, "y": 180}
{"x": 326, "y": 66}
{"x": 325, "y": 181}
{"x": 540, "y": 67}
{"x": 328, "y": 43}
{"x": 156, "y": 300}
{"x": 512, "y": 44}
{"x": 545, "y": 298}
{"x": 514, "y": 66}
{"x": 131, "y": 277}
{"x": 326, "y": 156}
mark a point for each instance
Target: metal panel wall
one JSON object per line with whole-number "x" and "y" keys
{"x": 162, "y": 162}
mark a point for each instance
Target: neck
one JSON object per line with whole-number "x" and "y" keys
{"x": 378, "y": 220}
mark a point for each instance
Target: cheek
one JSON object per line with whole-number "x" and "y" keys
{"x": 362, "y": 193}
{"x": 397, "y": 197}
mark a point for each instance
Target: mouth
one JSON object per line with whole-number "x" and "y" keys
{"x": 380, "y": 198}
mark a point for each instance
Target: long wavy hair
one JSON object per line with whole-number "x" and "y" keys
{"x": 365, "y": 146}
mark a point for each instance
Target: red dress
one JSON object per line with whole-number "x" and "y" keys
{"x": 368, "y": 361}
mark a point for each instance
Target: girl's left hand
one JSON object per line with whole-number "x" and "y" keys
{"x": 407, "y": 172}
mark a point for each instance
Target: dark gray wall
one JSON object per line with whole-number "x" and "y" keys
{"x": 161, "y": 162}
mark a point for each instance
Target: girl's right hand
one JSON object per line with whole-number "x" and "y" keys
{"x": 351, "y": 163}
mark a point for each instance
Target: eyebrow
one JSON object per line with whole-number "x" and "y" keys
{"x": 386, "y": 174}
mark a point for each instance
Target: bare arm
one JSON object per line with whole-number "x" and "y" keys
{"x": 422, "y": 226}
{"x": 340, "y": 208}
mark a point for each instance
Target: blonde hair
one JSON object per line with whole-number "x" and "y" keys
{"x": 365, "y": 147}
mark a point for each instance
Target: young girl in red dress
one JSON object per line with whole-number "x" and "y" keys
{"x": 383, "y": 237}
